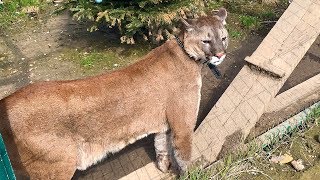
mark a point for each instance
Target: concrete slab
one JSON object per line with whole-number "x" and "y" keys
{"x": 291, "y": 31}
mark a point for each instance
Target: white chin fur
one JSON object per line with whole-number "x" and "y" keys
{"x": 216, "y": 61}
{"x": 224, "y": 22}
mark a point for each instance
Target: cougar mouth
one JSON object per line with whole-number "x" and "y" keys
{"x": 216, "y": 61}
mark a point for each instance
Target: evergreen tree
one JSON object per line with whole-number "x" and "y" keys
{"x": 151, "y": 19}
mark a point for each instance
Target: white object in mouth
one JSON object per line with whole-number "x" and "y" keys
{"x": 216, "y": 61}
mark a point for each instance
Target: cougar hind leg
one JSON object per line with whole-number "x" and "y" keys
{"x": 181, "y": 143}
{"x": 162, "y": 146}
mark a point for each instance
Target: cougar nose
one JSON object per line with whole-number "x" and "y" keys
{"x": 219, "y": 54}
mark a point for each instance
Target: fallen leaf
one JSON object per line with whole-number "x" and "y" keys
{"x": 283, "y": 159}
{"x": 286, "y": 159}
{"x": 276, "y": 159}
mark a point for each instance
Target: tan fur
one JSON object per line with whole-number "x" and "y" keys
{"x": 53, "y": 128}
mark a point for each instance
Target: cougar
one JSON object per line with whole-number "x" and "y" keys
{"x": 53, "y": 128}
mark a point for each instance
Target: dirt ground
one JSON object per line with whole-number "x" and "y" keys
{"x": 41, "y": 53}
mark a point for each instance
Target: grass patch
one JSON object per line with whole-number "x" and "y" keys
{"x": 24, "y": 3}
{"x": 95, "y": 61}
{"x": 250, "y": 16}
{"x": 88, "y": 61}
{"x": 235, "y": 34}
{"x": 12, "y": 14}
{"x": 249, "y": 22}
{"x": 196, "y": 174}
{"x": 9, "y": 13}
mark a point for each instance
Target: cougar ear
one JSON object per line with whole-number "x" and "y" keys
{"x": 187, "y": 25}
{"x": 222, "y": 13}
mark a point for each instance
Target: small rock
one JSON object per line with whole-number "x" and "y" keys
{"x": 319, "y": 138}
{"x": 298, "y": 165}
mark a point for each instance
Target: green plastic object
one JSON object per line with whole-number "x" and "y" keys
{"x": 6, "y": 171}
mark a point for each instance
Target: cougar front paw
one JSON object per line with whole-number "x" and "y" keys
{"x": 163, "y": 163}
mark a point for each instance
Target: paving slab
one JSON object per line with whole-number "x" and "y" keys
{"x": 299, "y": 22}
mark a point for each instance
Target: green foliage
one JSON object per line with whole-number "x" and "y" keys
{"x": 249, "y": 22}
{"x": 196, "y": 174}
{"x": 24, "y": 3}
{"x": 11, "y": 10}
{"x": 87, "y": 62}
{"x": 98, "y": 60}
{"x": 149, "y": 19}
{"x": 8, "y": 13}
{"x": 155, "y": 20}
{"x": 235, "y": 34}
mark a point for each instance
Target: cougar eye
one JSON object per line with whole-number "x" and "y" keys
{"x": 206, "y": 41}
{"x": 224, "y": 38}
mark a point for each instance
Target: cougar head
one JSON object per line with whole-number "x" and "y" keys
{"x": 206, "y": 38}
